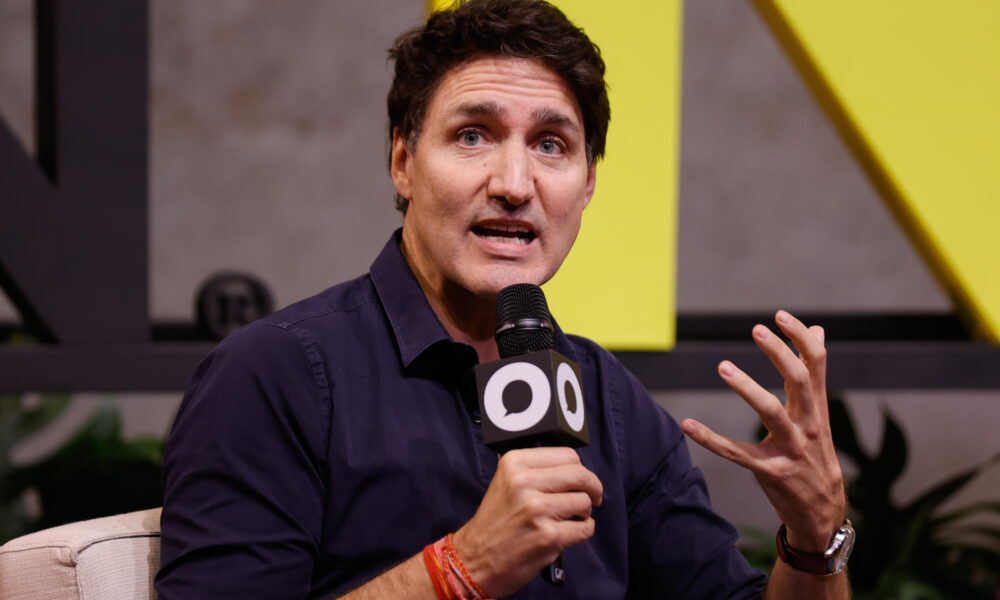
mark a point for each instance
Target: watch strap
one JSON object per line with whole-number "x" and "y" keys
{"x": 817, "y": 563}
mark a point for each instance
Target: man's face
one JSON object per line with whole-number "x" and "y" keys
{"x": 498, "y": 179}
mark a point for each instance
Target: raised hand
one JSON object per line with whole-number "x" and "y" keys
{"x": 796, "y": 463}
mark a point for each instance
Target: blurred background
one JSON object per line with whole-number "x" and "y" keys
{"x": 268, "y": 156}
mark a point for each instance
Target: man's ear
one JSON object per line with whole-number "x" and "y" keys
{"x": 399, "y": 165}
{"x": 591, "y": 183}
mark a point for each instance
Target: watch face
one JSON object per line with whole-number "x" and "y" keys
{"x": 840, "y": 548}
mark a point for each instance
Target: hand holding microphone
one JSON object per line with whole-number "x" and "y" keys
{"x": 538, "y": 503}
{"x": 540, "y": 499}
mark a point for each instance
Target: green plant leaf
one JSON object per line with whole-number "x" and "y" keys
{"x": 844, "y": 436}
{"x": 896, "y": 585}
{"x": 965, "y": 511}
{"x": 990, "y": 532}
{"x": 915, "y": 590}
{"x": 931, "y": 499}
{"x": 758, "y": 547}
{"x": 961, "y": 570}
{"x": 919, "y": 513}
{"x": 910, "y": 552}
{"x": 33, "y": 420}
{"x": 14, "y": 482}
{"x": 891, "y": 459}
{"x": 756, "y": 535}
{"x": 18, "y": 422}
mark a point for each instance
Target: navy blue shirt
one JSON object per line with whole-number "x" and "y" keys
{"x": 320, "y": 446}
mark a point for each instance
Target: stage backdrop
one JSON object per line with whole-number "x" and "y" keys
{"x": 915, "y": 92}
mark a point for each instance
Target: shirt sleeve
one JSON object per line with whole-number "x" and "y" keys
{"x": 244, "y": 476}
{"x": 678, "y": 546}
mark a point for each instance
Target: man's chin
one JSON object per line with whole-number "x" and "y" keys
{"x": 492, "y": 285}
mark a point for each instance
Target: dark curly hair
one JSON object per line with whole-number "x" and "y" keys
{"x": 508, "y": 28}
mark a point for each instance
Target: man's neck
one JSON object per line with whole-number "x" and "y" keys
{"x": 467, "y": 320}
{"x": 466, "y": 317}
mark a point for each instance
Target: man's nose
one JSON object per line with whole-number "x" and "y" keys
{"x": 512, "y": 179}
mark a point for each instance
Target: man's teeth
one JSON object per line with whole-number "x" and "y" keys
{"x": 516, "y": 234}
{"x": 510, "y": 228}
{"x": 505, "y": 239}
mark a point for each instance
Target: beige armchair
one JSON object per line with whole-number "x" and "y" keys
{"x": 111, "y": 558}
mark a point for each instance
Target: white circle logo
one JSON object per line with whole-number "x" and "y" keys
{"x": 564, "y": 375}
{"x": 541, "y": 396}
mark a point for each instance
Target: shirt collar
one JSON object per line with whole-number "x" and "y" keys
{"x": 414, "y": 324}
{"x": 416, "y": 327}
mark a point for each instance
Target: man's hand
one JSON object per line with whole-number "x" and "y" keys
{"x": 796, "y": 464}
{"x": 538, "y": 504}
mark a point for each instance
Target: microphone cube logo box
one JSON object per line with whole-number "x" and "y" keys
{"x": 532, "y": 399}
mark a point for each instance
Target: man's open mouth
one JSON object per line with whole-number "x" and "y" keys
{"x": 516, "y": 234}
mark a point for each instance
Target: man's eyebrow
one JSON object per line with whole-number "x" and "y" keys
{"x": 550, "y": 116}
{"x": 546, "y": 116}
{"x": 488, "y": 109}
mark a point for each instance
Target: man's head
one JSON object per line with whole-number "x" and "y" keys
{"x": 497, "y": 181}
{"x": 530, "y": 29}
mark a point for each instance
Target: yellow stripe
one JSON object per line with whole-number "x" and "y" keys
{"x": 914, "y": 89}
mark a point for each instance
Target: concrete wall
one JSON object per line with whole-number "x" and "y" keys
{"x": 774, "y": 211}
{"x": 268, "y": 155}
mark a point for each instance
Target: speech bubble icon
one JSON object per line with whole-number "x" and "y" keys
{"x": 516, "y": 397}
{"x": 569, "y": 393}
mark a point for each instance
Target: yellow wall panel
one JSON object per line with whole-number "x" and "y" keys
{"x": 618, "y": 284}
{"x": 914, "y": 87}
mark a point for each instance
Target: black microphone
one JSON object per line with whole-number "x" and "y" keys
{"x": 532, "y": 396}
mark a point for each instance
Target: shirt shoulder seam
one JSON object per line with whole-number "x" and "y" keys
{"x": 320, "y": 374}
{"x": 290, "y": 323}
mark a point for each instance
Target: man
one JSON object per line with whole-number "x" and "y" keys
{"x": 319, "y": 450}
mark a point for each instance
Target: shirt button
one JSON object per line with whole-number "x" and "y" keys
{"x": 476, "y": 418}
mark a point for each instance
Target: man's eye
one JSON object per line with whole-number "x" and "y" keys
{"x": 549, "y": 147}
{"x": 470, "y": 138}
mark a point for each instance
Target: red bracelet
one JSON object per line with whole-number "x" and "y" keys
{"x": 457, "y": 565}
{"x": 436, "y": 571}
{"x": 449, "y": 574}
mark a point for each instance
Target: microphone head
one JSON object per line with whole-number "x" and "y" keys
{"x": 523, "y": 322}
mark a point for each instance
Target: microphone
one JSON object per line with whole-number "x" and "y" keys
{"x": 532, "y": 396}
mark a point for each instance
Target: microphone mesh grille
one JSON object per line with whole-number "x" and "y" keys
{"x": 522, "y": 301}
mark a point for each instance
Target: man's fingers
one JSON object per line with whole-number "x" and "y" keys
{"x": 576, "y": 532}
{"x": 791, "y": 367}
{"x": 540, "y": 458}
{"x": 567, "y": 533}
{"x": 804, "y": 375}
{"x": 551, "y": 471}
{"x": 568, "y": 478}
{"x": 770, "y": 410}
{"x": 805, "y": 339}
{"x": 570, "y": 506}
{"x": 737, "y": 452}
{"x": 809, "y": 342}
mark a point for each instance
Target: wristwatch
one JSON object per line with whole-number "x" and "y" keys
{"x": 830, "y": 562}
